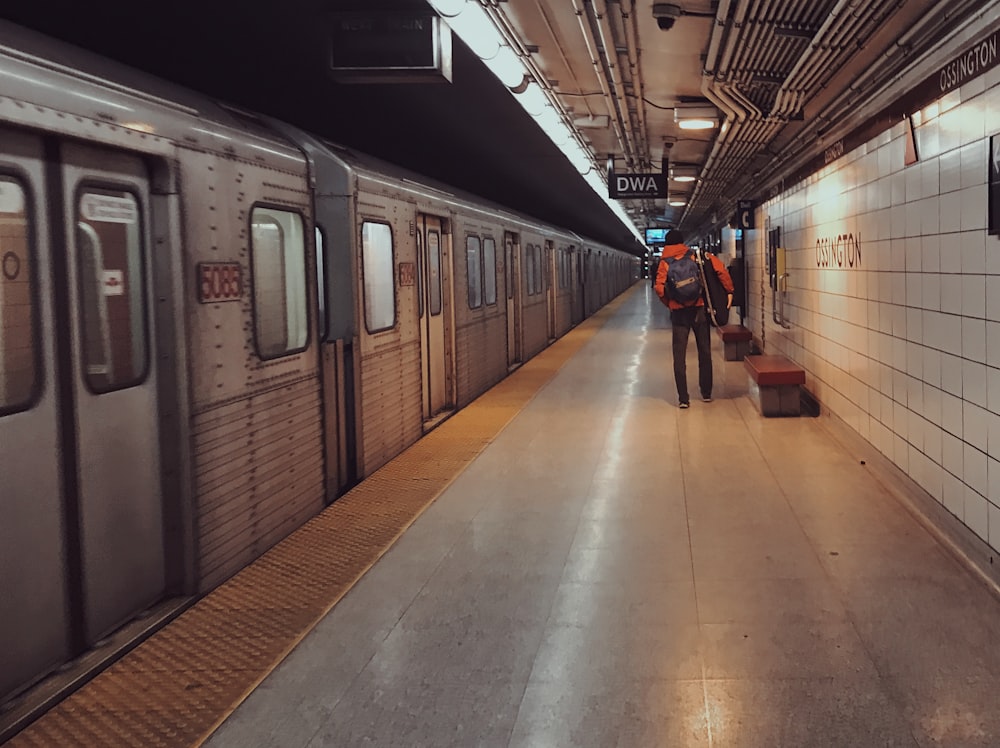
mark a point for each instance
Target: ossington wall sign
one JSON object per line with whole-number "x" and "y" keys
{"x": 970, "y": 64}
{"x": 843, "y": 249}
{"x": 973, "y": 61}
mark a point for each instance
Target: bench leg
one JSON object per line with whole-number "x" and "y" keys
{"x": 776, "y": 400}
{"x": 735, "y": 350}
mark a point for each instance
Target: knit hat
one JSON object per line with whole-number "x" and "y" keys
{"x": 673, "y": 237}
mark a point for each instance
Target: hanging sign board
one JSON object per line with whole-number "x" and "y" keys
{"x": 744, "y": 214}
{"x": 637, "y": 185}
{"x": 389, "y": 46}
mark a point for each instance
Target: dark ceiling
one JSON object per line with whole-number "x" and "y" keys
{"x": 272, "y": 58}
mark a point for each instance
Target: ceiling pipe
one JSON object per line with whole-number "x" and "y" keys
{"x": 878, "y": 72}
{"x": 734, "y": 93}
{"x": 631, "y": 31}
{"x": 882, "y": 90}
{"x": 883, "y": 75}
{"x": 735, "y": 31}
{"x": 936, "y": 18}
{"x": 595, "y": 61}
{"x": 621, "y": 72}
{"x": 736, "y": 115}
{"x": 513, "y": 39}
{"x": 751, "y": 50}
{"x": 614, "y": 86}
{"x": 559, "y": 49}
{"x": 805, "y": 59}
{"x": 718, "y": 32}
{"x": 868, "y": 21}
{"x": 825, "y": 53}
{"x": 709, "y": 88}
{"x": 729, "y": 157}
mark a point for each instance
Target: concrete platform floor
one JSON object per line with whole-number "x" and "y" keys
{"x": 614, "y": 571}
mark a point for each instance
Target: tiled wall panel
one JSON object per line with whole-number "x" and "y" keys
{"x": 903, "y": 342}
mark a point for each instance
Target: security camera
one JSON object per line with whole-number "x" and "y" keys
{"x": 665, "y": 14}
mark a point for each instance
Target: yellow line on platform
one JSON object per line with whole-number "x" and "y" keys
{"x": 178, "y": 686}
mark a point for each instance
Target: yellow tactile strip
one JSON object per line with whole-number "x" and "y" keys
{"x": 176, "y": 688}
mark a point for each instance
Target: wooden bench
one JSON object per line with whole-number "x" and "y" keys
{"x": 774, "y": 384}
{"x": 735, "y": 341}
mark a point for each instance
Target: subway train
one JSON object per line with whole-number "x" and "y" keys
{"x": 211, "y": 325}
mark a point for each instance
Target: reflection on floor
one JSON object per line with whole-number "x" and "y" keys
{"x": 615, "y": 571}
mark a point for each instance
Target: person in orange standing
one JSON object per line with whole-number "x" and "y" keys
{"x": 687, "y": 314}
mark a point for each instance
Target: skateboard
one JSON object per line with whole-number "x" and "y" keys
{"x": 716, "y": 296}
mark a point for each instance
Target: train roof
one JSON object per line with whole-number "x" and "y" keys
{"x": 371, "y": 167}
{"x": 53, "y": 75}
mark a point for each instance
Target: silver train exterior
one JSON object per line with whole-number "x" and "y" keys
{"x": 213, "y": 324}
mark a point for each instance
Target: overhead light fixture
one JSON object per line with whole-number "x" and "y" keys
{"x": 595, "y": 121}
{"x": 695, "y": 117}
{"x": 676, "y": 201}
{"x": 683, "y": 172}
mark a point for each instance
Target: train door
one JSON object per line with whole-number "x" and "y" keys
{"x": 106, "y": 199}
{"x": 512, "y": 264}
{"x": 433, "y": 257}
{"x": 82, "y": 536}
{"x": 550, "y": 291}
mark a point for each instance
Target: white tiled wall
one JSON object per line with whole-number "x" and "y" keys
{"x": 905, "y": 345}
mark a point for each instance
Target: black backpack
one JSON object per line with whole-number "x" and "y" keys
{"x": 683, "y": 279}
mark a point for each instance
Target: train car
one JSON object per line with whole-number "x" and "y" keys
{"x": 211, "y": 325}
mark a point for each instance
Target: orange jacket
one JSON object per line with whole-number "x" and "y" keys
{"x": 678, "y": 251}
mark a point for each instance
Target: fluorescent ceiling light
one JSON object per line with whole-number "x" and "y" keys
{"x": 448, "y": 8}
{"x": 476, "y": 29}
{"x": 473, "y": 25}
{"x": 677, "y": 201}
{"x": 695, "y": 117}
{"x": 597, "y": 121}
{"x": 683, "y": 172}
{"x": 506, "y": 66}
{"x": 533, "y": 99}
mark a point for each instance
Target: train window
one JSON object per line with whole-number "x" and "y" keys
{"x": 540, "y": 269}
{"x": 490, "y": 270}
{"x": 19, "y": 369}
{"x": 434, "y": 270}
{"x": 112, "y": 289}
{"x": 536, "y": 263}
{"x": 548, "y": 266}
{"x": 377, "y": 267}
{"x": 321, "y": 282}
{"x": 420, "y": 275}
{"x": 529, "y": 269}
{"x": 474, "y": 272}
{"x": 510, "y": 268}
{"x": 278, "y": 255}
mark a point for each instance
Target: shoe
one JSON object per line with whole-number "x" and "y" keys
{"x": 684, "y": 405}
{"x": 706, "y": 398}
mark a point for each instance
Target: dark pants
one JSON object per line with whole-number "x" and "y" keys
{"x": 683, "y": 321}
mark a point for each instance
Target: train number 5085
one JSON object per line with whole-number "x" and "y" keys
{"x": 219, "y": 281}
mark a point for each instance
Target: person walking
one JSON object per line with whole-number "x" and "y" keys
{"x": 678, "y": 284}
